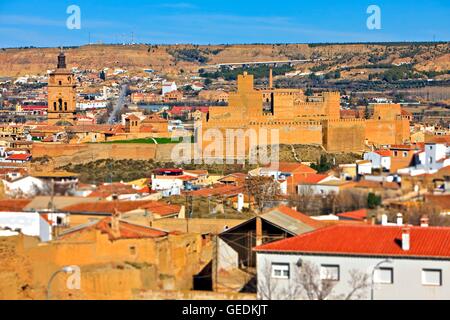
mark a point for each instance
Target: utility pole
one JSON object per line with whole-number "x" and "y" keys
{"x": 215, "y": 274}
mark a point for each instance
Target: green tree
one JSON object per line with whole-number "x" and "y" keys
{"x": 323, "y": 165}
{"x": 373, "y": 200}
{"x": 309, "y": 92}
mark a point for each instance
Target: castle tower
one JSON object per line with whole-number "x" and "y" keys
{"x": 332, "y": 104}
{"x": 61, "y": 94}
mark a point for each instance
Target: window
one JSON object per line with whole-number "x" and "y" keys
{"x": 280, "y": 270}
{"x": 432, "y": 277}
{"x": 329, "y": 272}
{"x": 384, "y": 275}
{"x": 395, "y": 153}
{"x": 405, "y": 154}
{"x": 132, "y": 250}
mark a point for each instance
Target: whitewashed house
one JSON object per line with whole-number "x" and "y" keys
{"x": 27, "y": 223}
{"x": 26, "y": 186}
{"x": 435, "y": 157}
{"x": 380, "y": 159}
{"x": 364, "y": 167}
{"x": 168, "y": 86}
{"x": 395, "y": 262}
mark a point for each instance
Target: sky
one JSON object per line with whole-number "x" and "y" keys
{"x": 42, "y": 23}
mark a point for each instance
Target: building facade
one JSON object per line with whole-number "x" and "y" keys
{"x": 61, "y": 94}
{"x": 397, "y": 261}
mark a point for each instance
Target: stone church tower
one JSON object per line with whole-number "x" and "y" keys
{"x": 61, "y": 94}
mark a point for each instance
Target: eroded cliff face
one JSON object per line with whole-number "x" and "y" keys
{"x": 171, "y": 59}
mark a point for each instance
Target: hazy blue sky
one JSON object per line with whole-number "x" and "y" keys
{"x": 43, "y": 22}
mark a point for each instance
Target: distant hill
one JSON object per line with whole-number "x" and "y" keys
{"x": 174, "y": 60}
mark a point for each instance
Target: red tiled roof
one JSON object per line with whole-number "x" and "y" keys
{"x": 128, "y": 230}
{"x": 312, "y": 178}
{"x": 291, "y": 167}
{"x": 110, "y": 207}
{"x": 440, "y": 139}
{"x": 354, "y": 215}
{"x": 162, "y": 209}
{"x": 363, "y": 240}
{"x": 442, "y": 201}
{"x": 13, "y": 205}
{"x": 105, "y": 190}
{"x": 384, "y": 153}
{"x": 19, "y": 156}
{"x": 406, "y": 113}
{"x": 133, "y": 117}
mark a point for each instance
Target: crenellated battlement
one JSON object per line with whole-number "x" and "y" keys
{"x": 305, "y": 122}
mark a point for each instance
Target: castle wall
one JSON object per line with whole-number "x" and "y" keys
{"x": 344, "y": 135}
{"x": 387, "y": 132}
{"x": 81, "y": 153}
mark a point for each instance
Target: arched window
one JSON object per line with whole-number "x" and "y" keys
{"x": 60, "y": 104}
{"x": 54, "y": 105}
{"x": 65, "y": 106}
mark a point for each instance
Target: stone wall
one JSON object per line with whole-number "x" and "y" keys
{"x": 343, "y": 135}
{"x": 82, "y": 153}
{"x": 109, "y": 269}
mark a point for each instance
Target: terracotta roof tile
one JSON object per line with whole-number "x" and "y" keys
{"x": 110, "y": 207}
{"x": 291, "y": 167}
{"x": 354, "y": 215}
{"x": 364, "y": 240}
{"x": 14, "y": 205}
{"x": 19, "y": 157}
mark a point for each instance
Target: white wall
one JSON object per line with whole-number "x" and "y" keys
{"x": 26, "y": 186}
{"x": 227, "y": 258}
{"x": 172, "y": 186}
{"x": 30, "y": 224}
{"x": 318, "y": 189}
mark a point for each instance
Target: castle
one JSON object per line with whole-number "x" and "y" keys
{"x": 302, "y": 119}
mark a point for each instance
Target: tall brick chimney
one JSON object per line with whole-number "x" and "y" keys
{"x": 115, "y": 224}
{"x": 424, "y": 221}
{"x": 399, "y": 219}
{"x": 259, "y": 232}
{"x": 406, "y": 241}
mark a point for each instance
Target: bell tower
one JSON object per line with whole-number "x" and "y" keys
{"x": 61, "y": 94}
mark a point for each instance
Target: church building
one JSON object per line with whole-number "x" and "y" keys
{"x": 61, "y": 94}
